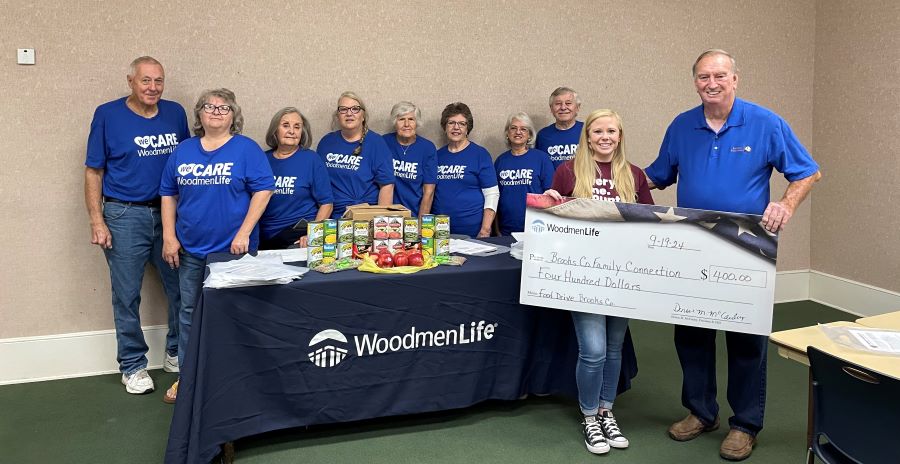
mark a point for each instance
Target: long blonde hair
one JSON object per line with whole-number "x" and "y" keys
{"x": 585, "y": 167}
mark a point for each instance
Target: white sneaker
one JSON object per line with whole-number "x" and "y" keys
{"x": 611, "y": 430}
{"x": 171, "y": 363}
{"x": 138, "y": 383}
{"x": 593, "y": 436}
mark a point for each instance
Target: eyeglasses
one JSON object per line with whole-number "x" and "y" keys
{"x": 210, "y": 108}
{"x": 349, "y": 109}
{"x": 516, "y": 130}
{"x": 460, "y": 124}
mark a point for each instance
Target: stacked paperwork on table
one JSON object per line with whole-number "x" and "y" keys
{"x": 251, "y": 271}
{"x": 470, "y": 247}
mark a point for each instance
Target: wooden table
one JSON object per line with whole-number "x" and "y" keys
{"x": 792, "y": 344}
{"x": 889, "y": 321}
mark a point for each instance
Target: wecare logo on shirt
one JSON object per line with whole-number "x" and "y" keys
{"x": 509, "y": 177}
{"x": 205, "y": 174}
{"x": 562, "y": 152}
{"x": 342, "y": 161}
{"x": 284, "y": 185}
{"x": 155, "y": 145}
{"x": 451, "y": 171}
{"x": 406, "y": 169}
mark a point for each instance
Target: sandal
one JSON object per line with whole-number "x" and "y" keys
{"x": 171, "y": 393}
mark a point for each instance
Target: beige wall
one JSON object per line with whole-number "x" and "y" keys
{"x": 499, "y": 57}
{"x": 857, "y": 124}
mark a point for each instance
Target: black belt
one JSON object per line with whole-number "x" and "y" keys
{"x": 154, "y": 203}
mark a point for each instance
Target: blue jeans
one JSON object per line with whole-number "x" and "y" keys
{"x": 136, "y": 240}
{"x": 747, "y": 355}
{"x": 190, "y": 274}
{"x": 600, "y": 341}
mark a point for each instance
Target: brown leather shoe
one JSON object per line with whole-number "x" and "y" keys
{"x": 690, "y": 428}
{"x": 737, "y": 446}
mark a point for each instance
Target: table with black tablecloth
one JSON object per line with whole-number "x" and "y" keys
{"x": 251, "y": 365}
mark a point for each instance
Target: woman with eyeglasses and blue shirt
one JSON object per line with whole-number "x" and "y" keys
{"x": 359, "y": 162}
{"x": 466, "y": 183}
{"x": 214, "y": 189}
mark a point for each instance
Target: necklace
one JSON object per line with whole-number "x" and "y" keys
{"x": 405, "y": 148}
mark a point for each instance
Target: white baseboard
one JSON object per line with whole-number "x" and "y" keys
{"x": 34, "y": 359}
{"x": 850, "y": 296}
{"x": 51, "y": 357}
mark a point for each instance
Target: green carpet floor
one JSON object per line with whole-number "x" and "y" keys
{"x": 93, "y": 420}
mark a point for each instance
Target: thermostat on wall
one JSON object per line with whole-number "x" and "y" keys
{"x": 26, "y": 56}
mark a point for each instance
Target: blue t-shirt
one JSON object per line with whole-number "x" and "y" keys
{"x": 355, "y": 179}
{"x": 214, "y": 190}
{"x": 729, "y": 171}
{"x": 559, "y": 144}
{"x": 530, "y": 172}
{"x": 301, "y": 187}
{"x": 133, "y": 150}
{"x": 461, "y": 176}
{"x": 414, "y": 166}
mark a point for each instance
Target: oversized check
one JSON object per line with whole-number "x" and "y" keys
{"x": 657, "y": 263}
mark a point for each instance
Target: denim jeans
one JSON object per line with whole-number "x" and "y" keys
{"x": 190, "y": 276}
{"x": 600, "y": 341}
{"x": 747, "y": 355}
{"x": 136, "y": 240}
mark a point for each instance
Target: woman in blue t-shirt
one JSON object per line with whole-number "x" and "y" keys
{"x": 466, "y": 182}
{"x": 214, "y": 188}
{"x": 302, "y": 186}
{"x": 521, "y": 170}
{"x": 359, "y": 163}
{"x": 415, "y": 160}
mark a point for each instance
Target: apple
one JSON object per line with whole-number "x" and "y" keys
{"x": 400, "y": 259}
{"x": 385, "y": 260}
{"x": 415, "y": 259}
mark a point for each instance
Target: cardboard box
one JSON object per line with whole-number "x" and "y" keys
{"x": 365, "y": 211}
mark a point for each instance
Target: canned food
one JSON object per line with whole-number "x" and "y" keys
{"x": 395, "y": 228}
{"x": 442, "y": 226}
{"x": 344, "y": 250}
{"x": 380, "y": 228}
{"x": 314, "y": 256}
{"x": 442, "y": 250}
{"x": 427, "y": 226}
{"x": 329, "y": 253}
{"x": 427, "y": 247}
{"x": 395, "y": 245}
{"x": 330, "y": 231}
{"x": 315, "y": 234}
{"x": 381, "y": 245}
{"x": 361, "y": 233}
{"x": 410, "y": 230}
{"x": 345, "y": 231}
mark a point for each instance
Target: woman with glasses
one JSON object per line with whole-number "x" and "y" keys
{"x": 214, "y": 188}
{"x": 466, "y": 182}
{"x": 521, "y": 170}
{"x": 359, "y": 163}
{"x": 600, "y": 171}
{"x": 302, "y": 186}
{"x": 415, "y": 160}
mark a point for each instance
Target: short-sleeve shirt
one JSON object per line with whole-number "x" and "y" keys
{"x": 729, "y": 170}
{"x": 133, "y": 150}
{"x": 356, "y": 179}
{"x": 461, "y": 176}
{"x": 214, "y": 190}
{"x": 559, "y": 144}
{"x": 414, "y": 166}
{"x": 301, "y": 187}
{"x": 518, "y": 175}
{"x": 604, "y": 187}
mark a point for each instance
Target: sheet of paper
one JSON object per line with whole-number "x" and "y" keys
{"x": 468, "y": 248}
{"x": 878, "y": 340}
{"x": 291, "y": 255}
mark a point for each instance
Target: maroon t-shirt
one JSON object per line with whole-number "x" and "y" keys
{"x": 604, "y": 187}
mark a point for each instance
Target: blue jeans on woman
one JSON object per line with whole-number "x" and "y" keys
{"x": 136, "y": 240}
{"x": 600, "y": 341}
{"x": 190, "y": 276}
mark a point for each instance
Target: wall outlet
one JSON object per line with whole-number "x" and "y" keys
{"x": 26, "y": 56}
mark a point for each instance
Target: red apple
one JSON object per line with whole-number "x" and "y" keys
{"x": 415, "y": 259}
{"x": 400, "y": 259}
{"x": 385, "y": 260}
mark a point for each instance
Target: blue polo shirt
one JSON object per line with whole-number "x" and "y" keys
{"x": 414, "y": 166}
{"x": 559, "y": 144}
{"x": 729, "y": 171}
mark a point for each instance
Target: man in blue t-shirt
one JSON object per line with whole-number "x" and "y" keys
{"x": 130, "y": 141}
{"x": 560, "y": 139}
{"x": 721, "y": 154}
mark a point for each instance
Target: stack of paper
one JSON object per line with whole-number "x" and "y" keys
{"x": 517, "y": 248}
{"x": 250, "y": 271}
{"x": 469, "y": 248}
